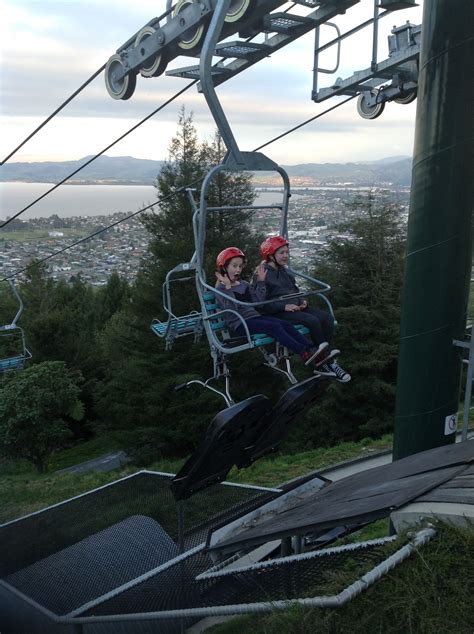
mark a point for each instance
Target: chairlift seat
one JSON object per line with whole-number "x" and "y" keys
{"x": 219, "y": 324}
{"x": 178, "y": 326}
{"x": 13, "y": 363}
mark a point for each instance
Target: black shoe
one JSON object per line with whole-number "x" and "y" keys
{"x": 324, "y": 370}
{"x": 341, "y": 375}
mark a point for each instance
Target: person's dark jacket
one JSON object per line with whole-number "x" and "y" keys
{"x": 244, "y": 293}
{"x": 279, "y": 282}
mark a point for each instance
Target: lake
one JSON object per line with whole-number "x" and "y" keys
{"x": 72, "y": 200}
{"x": 95, "y": 200}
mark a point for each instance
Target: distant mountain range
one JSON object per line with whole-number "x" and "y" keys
{"x": 120, "y": 170}
{"x": 126, "y": 170}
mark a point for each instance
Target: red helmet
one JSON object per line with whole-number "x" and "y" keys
{"x": 270, "y": 245}
{"x": 227, "y": 254}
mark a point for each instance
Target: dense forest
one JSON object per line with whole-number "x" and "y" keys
{"x": 97, "y": 365}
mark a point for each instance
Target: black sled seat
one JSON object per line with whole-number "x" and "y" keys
{"x": 242, "y": 433}
{"x": 286, "y": 413}
{"x": 230, "y": 432}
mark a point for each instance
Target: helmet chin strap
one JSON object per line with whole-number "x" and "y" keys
{"x": 224, "y": 268}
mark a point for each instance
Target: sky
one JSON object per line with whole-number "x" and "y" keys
{"x": 50, "y": 47}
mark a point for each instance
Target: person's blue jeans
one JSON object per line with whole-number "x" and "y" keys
{"x": 280, "y": 330}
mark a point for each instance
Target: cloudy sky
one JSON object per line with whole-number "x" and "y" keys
{"x": 50, "y": 47}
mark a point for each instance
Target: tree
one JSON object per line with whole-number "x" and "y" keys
{"x": 36, "y": 406}
{"x": 110, "y": 299}
{"x": 59, "y": 319}
{"x": 364, "y": 266}
{"x": 171, "y": 229}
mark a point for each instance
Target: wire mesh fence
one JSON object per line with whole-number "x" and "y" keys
{"x": 113, "y": 560}
{"x": 71, "y": 553}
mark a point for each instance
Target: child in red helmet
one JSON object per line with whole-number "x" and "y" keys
{"x": 279, "y": 281}
{"x": 230, "y": 263}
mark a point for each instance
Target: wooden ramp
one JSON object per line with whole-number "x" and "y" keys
{"x": 441, "y": 476}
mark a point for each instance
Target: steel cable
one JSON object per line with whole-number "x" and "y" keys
{"x": 180, "y": 190}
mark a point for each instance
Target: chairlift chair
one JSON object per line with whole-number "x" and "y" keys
{"x": 13, "y": 350}
{"x": 221, "y": 342}
{"x": 176, "y": 326}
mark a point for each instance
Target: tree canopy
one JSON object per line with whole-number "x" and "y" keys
{"x": 364, "y": 266}
{"x": 35, "y": 407}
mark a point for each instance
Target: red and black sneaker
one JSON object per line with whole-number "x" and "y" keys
{"x": 316, "y": 355}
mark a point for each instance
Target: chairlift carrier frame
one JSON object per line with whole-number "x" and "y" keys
{"x": 16, "y": 361}
{"x": 210, "y": 319}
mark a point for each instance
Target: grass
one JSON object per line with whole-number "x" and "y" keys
{"x": 23, "y": 490}
{"x": 277, "y": 469}
{"x": 429, "y": 593}
{"x": 97, "y": 446}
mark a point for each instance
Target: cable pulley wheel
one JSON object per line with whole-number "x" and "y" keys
{"x": 191, "y": 37}
{"x": 367, "y": 111}
{"x": 406, "y": 98}
{"x": 157, "y": 65}
{"x": 118, "y": 87}
{"x": 237, "y": 10}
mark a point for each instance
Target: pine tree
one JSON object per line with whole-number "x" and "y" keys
{"x": 364, "y": 267}
{"x": 171, "y": 229}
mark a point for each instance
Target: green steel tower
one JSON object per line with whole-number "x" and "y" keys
{"x": 439, "y": 244}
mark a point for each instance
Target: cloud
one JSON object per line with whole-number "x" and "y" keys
{"x": 50, "y": 48}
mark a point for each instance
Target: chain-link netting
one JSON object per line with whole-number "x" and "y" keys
{"x": 71, "y": 553}
{"x": 177, "y": 588}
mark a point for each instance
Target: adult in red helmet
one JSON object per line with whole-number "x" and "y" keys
{"x": 279, "y": 281}
{"x": 231, "y": 287}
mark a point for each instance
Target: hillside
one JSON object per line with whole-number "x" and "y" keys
{"x": 124, "y": 170}
{"x": 379, "y": 173}
{"x": 127, "y": 170}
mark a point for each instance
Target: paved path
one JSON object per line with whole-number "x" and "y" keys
{"x": 107, "y": 462}
{"x": 367, "y": 462}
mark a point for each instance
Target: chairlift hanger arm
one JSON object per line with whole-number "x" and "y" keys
{"x": 15, "y": 361}
{"x": 206, "y": 80}
{"x": 20, "y": 303}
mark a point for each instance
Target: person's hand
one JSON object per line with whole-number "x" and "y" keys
{"x": 292, "y": 308}
{"x": 303, "y": 305}
{"x": 261, "y": 273}
{"x": 224, "y": 279}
